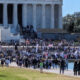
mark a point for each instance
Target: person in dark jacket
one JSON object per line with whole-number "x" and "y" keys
{"x": 26, "y": 62}
{"x": 79, "y": 68}
{"x": 75, "y": 68}
{"x": 34, "y": 63}
{"x": 62, "y": 66}
{"x": 20, "y": 62}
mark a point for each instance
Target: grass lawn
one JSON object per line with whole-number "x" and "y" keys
{"x": 26, "y": 74}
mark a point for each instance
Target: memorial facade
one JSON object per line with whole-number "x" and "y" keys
{"x": 39, "y": 13}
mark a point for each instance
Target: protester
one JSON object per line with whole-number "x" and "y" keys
{"x": 75, "y": 68}
{"x": 7, "y": 62}
{"x": 62, "y": 66}
{"x": 41, "y": 66}
{"x": 2, "y": 62}
{"x": 79, "y": 68}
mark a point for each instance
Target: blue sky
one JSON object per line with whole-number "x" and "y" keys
{"x": 71, "y": 6}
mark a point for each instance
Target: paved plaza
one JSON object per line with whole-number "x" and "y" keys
{"x": 57, "y": 71}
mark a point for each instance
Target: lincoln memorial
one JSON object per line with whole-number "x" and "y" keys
{"x": 41, "y": 14}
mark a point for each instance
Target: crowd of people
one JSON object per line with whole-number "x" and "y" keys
{"x": 28, "y": 32}
{"x": 43, "y": 54}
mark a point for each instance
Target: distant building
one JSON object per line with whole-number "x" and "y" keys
{"x": 77, "y": 14}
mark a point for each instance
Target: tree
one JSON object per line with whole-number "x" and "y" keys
{"x": 71, "y": 27}
{"x": 71, "y": 23}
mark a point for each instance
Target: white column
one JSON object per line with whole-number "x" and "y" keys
{"x": 34, "y": 16}
{"x": 5, "y": 16}
{"x": 43, "y": 16}
{"x": 24, "y": 15}
{"x": 60, "y": 17}
{"x": 52, "y": 16}
{"x": 15, "y": 15}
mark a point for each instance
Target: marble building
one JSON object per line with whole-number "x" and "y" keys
{"x": 42, "y": 14}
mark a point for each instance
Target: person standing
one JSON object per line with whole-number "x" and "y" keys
{"x": 2, "y": 62}
{"x": 7, "y": 62}
{"x": 75, "y": 68}
{"x": 20, "y": 62}
{"x": 41, "y": 66}
{"x": 62, "y": 66}
{"x": 79, "y": 68}
{"x": 66, "y": 64}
